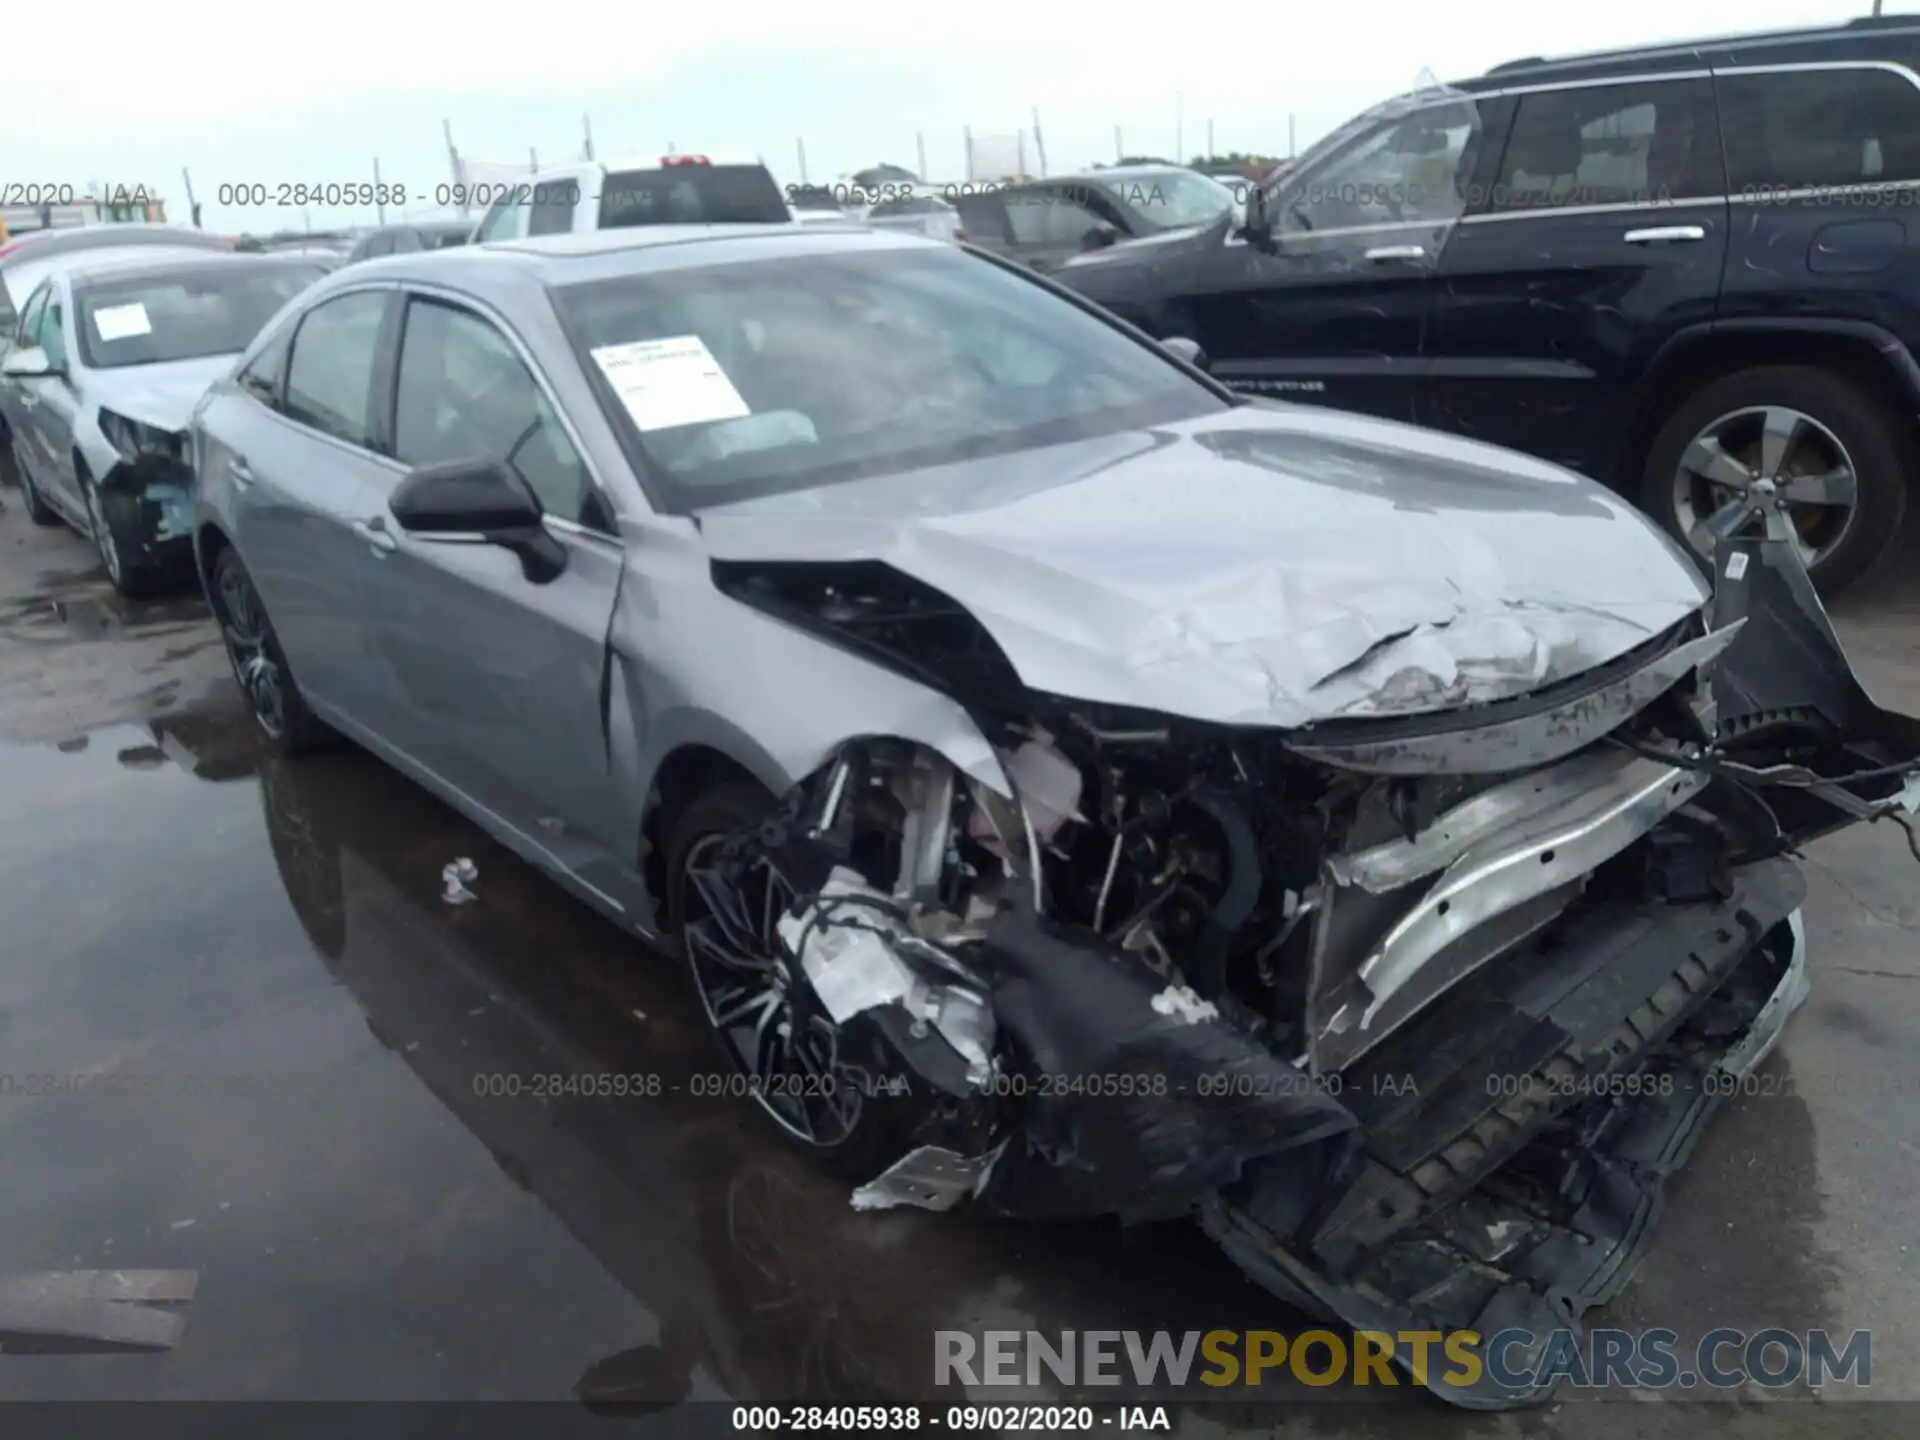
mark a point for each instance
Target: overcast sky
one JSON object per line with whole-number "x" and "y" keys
{"x": 271, "y": 94}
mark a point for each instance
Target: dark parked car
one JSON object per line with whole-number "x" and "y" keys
{"x": 411, "y": 235}
{"x": 1674, "y": 269}
{"x": 1047, "y": 221}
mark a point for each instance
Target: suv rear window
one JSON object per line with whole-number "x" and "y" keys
{"x": 692, "y": 195}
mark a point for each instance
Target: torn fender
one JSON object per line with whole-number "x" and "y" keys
{"x": 1128, "y": 1107}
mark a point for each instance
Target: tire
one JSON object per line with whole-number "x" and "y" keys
{"x": 1866, "y": 429}
{"x": 877, "y": 1135}
{"x": 129, "y": 579}
{"x": 38, "y": 511}
{"x": 273, "y": 696}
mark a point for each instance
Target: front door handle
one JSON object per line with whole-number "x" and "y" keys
{"x": 376, "y": 534}
{"x": 1397, "y": 252}
{"x": 1665, "y": 235}
{"x": 239, "y": 472}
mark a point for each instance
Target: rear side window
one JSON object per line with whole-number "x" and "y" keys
{"x": 1610, "y": 145}
{"x": 1796, "y": 129}
{"x": 692, "y": 195}
{"x": 330, "y": 378}
{"x": 1053, "y": 215}
{"x": 984, "y": 217}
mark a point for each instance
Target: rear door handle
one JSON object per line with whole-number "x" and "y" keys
{"x": 376, "y": 534}
{"x": 239, "y": 472}
{"x": 1665, "y": 235}
{"x": 1397, "y": 252}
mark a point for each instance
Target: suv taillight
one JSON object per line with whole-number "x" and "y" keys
{"x": 684, "y": 160}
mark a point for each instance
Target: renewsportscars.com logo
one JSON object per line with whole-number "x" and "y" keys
{"x": 1516, "y": 1359}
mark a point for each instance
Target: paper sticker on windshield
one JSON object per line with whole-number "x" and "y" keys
{"x": 121, "y": 322}
{"x": 668, "y": 383}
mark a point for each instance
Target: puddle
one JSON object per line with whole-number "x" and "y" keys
{"x": 63, "y": 618}
{"x": 217, "y": 742}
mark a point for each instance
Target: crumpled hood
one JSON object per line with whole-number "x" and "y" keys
{"x": 162, "y": 394}
{"x": 1275, "y": 565}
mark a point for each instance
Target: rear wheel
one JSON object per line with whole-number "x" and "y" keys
{"x": 1835, "y": 451}
{"x": 807, "y": 1075}
{"x": 259, "y": 664}
{"x": 38, "y": 510}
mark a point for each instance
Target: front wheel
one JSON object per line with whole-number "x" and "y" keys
{"x": 1834, "y": 450}
{"x": 132, "y": 580}
{"x": 811, "y": 1078}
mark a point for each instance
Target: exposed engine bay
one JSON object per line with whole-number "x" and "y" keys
{"x": 1415, "y": 1015}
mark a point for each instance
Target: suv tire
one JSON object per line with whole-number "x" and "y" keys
{"x": 1870, "y": 434}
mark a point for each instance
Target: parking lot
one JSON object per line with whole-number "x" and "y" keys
{"x": 304, "y": 1032}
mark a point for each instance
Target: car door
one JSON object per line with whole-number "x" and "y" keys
{"x": 1602, "y": 232}
{"x": 50, "y": 405}
{"x": 1326, "y": 304}
{"x": 300, "y": 447}
{"x": 496, "y": 682}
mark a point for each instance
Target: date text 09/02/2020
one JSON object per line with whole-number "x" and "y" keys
{"x": 956, "y": 1419}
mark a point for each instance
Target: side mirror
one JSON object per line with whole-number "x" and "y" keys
{"x": 1099, "y": 238}
{"x": 27, "y": 364}
{"x": 1185, "y": 350}
{"x": 479, "y": 499}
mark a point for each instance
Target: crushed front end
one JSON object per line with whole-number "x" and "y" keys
{"x": 1415, "y": 1015}
{"x": 146, "y": 493}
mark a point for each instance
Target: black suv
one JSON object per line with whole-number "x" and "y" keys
{"x": 1674, "y": 269}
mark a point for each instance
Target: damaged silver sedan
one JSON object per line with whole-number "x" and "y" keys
{"x": 111, "y": 355}
{"x": 1075, "y": 789}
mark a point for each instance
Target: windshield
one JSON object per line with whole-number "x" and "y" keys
{"x": 747, "y": 380}
{"x": 212, "y": 311}
{"x": 1173, "y": 198}
{"x": 692, "y": 195}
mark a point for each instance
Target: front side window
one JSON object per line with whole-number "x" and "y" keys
{"x": 262, "y": 375}
{"x": 464, "y": 394}
{"x": 330, "y": 375}
{"x": 766, "y": 377}
{"x": 1795, "y": 130}
{"x": 1408, "y": 170}
{"x": 29, "y": 332}
{"x": 504, "y": 220}
{"x": 1172, "y": 199}
{"x": 1645, "y": 143}
{"x": 215, "y": 310}
{"x": 52, "y": 333}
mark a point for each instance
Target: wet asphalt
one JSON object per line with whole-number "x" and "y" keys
{"x": 306, "y": 1043}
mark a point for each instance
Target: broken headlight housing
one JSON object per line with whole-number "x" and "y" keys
{"x": 136, "y": 440}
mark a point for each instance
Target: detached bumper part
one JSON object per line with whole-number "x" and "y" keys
{"x": 1581, "y": 1076}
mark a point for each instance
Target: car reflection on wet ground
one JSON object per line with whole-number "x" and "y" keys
{"x": 312, "y": 1054}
